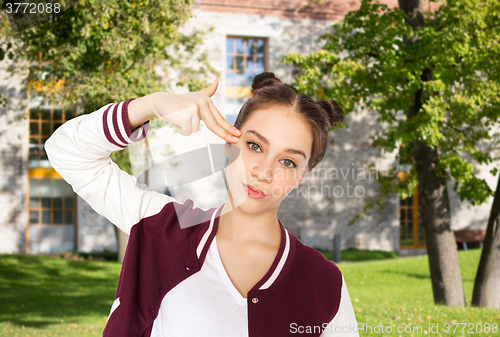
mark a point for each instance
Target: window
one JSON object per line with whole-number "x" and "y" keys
{"x": 43, "y": 120}
{"x": 411, "y": 229}
{"x": 51, "y": 200}
{"x": 245, "y": 58}
{"x": 51, "y": 216}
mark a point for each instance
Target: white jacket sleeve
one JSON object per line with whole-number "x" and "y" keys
{"x": 344, "y": 323}
{"x": 79, "y": 151}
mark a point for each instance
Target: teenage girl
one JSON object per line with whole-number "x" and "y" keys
{"x": 229, "y": 271}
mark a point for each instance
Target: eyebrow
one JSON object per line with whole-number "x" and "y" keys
{"x": 265, "y": 141}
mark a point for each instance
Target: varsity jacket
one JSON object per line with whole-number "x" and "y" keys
{"x": 300, "y": 292}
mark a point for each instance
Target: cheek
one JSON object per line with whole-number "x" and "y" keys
{"x": 285, "y": 183}
{"x": 291, "y": 182}
{"x": 243, "y": 157}
{"x": 237, "y": 162}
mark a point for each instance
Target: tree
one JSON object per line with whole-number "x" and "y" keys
{"x": 433, "y": 191}
{"x": 105, "y": 51}
{"x": 440, "y": 70}
{"x": 486, "y": 291}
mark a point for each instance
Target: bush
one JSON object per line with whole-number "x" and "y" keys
{"x": 353, "y": 254}
{"x": 105, "y": 255}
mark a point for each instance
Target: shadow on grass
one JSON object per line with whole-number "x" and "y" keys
{"x": 408, "y": 274}
{"x": 36, "y": 291}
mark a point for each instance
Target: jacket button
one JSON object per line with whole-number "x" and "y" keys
{"x": 151, "y": 312}
{"x": 255, "y": 300}
{"x": 189, "y": 265}
{"x": 160, "y": 291}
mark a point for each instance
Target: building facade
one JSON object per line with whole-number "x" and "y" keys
{"x": 40, "y": 213}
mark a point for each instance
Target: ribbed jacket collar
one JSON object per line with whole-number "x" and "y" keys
{"x": 280, "y": 266}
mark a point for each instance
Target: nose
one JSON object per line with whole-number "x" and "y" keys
{"x": 262, "y": 174}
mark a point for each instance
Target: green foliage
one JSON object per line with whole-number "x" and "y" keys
{"x": 365, "y": 63}
{"x": 360, "y": 254}
{"x": 105, "y": 255}
{"x": 122, "y": 159}
{"x": 106, "y": 51}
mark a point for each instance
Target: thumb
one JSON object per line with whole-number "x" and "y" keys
{"x": 210, "y": 90}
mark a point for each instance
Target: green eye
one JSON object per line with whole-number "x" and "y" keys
{"x": 291, "y": 161}
{"x": 251, "y": 144}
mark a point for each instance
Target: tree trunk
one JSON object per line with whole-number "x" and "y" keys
{"x": 414, "y": 13}
{"x": 487, "y": 284}
{"x": 440, "y": 240}
{"x": 433, "y": 196}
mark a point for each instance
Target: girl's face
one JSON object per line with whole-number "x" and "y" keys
{"x": 271, "y": 155}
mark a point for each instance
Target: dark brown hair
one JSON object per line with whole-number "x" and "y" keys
{"x": 320, "y": 115}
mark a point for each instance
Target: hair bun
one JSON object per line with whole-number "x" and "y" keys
{"x": 333, "y": 109}
{"x": 263, "y": 80}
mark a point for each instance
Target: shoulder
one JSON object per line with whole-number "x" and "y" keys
{"x": 175, "y": 220}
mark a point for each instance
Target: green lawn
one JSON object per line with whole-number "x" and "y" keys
{"x": 398, "y": 292}
{"x": 44, "y": 296}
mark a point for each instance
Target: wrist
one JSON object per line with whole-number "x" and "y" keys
{"x": 140, "y": 110}
{"x": 156, "y": 100}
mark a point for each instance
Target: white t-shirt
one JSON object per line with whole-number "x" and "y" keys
{"x": 208, "y": 304}
{"x": 205, "y": 304}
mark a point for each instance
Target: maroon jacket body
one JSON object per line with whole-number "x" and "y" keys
{"x": 160, "y": 254}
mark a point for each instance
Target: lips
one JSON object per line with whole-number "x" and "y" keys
{"x": 255, "y": 192}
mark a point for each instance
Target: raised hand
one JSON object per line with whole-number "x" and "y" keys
{"x": 186, "y": 110}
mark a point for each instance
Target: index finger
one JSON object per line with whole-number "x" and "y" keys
{"x": 211, "y": 122}
{"x": 222, "y": 121}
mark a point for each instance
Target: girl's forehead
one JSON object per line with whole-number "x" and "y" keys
{"x": 274, "y": 118}
{"x": 279, "y": 130}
